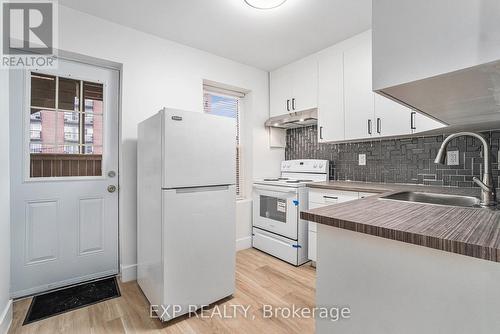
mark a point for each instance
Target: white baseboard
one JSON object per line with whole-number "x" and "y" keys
{"x": 128, "y": 272}
{"x": 243, "y": 243}
{"x": 6, "y": 318}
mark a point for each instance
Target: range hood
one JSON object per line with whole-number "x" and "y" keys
{"x": 294, "y": 120}
{"x": 463, "y": 99}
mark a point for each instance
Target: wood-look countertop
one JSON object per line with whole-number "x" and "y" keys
{"x": 468, "y": 231}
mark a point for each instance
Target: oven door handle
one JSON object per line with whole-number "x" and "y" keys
{"x": 275, "y": 189}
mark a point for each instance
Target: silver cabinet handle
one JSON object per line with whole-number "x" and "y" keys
{"x": 369, "y": 126}
{"x": 293, "y": 104}
{"x": 288, "y": 105}
{"x": 111, "y": 188}
{"x": 379, "y": 124}
{"x": 320, "y": 132}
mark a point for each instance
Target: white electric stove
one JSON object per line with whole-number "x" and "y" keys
{"x": 277, "y": 202}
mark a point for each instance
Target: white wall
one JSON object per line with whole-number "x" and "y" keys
{"x": 158, "y": 73}
{"x": 5, "y": 303}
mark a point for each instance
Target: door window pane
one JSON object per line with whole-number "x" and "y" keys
{"x": 43, "y": 91}
{"x": 69, "y": 94}
{"x": 93, "y": 129}
{"x": 92, "y": 97}
{"x": 42, "y": 126}
{"x": 66, "y": 140}
{"x": 87, "y": 149}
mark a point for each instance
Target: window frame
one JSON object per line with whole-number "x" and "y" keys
{"x": 239, "y": 97}
{"x": 27, "y": 119}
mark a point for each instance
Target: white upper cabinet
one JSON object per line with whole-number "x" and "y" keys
{"x": 358, "y": 95}
{"x": 305, "y": 84}
{"x": 440, "y": 57}
{"x": 391, "y": 118}
{"x": 414, "y": 40}
{"x": 338, "y": 82}
{"x": 348, "y": 109}
{"x": 331, "y": 97}
{"x": 294, "y": 87}
{"x": 422, "y": 123}
{"x": 281, "y": 90}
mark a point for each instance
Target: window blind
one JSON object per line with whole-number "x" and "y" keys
{"x": 226, "y": 103}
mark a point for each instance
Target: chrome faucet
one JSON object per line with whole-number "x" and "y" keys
{"x": 488, "y": 191}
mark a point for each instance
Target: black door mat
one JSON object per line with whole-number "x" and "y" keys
{"x": 68, "y": 299}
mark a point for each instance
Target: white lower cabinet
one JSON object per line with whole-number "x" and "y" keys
{"x": 324, "y": 197}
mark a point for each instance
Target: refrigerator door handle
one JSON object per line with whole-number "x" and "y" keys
{"x": 201, "y": 189}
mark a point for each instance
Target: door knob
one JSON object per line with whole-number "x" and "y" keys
{"x": 111, "y": 188}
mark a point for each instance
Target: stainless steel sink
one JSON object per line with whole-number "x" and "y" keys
{"x": 430, "y": 198}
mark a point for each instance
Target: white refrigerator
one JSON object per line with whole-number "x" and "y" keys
{"x": 186, "y": 210}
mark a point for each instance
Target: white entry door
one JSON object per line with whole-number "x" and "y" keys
{"x": 64, "y": 176}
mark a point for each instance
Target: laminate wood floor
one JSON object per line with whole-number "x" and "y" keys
{"x": 260, "y": 280}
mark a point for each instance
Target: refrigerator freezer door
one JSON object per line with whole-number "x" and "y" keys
{"x": 199, "y": 245}
{"x": 199, "y": 149}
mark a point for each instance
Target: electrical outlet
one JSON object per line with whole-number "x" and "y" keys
{"x": 453, "y": 158}
{"x": 362, "y": 159}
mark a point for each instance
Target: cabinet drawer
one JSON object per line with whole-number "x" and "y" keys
{"x": 328, "y": 197}
{"x": 313, "y": 205}
{"x": 275, "y": 245}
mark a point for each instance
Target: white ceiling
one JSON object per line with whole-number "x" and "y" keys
{"x": 266, "y": 39}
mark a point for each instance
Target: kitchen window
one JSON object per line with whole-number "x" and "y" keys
{"x": 227, "y": 103}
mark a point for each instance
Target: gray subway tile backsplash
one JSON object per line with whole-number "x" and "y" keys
{"x": 407, "y": 160}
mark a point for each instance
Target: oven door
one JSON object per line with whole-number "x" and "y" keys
{"x": 276, "y": 209}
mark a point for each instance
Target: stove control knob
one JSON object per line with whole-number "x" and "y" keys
{"x": 315, "y": 166}
{"x": 320, "y": 165}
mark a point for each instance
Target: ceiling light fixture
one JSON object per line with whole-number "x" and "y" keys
{"x": 265, "y": 4}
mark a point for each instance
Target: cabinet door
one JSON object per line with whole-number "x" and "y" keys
{"x": 312, "y": 245}
{"x": 391, "y": 118}
{"x": 359, "y": 101}
{"x": 331, "y": 98}
{"x": 305, "y": 84}
{"x": 281, "y": 91}
{"x": 422, "y": 123}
